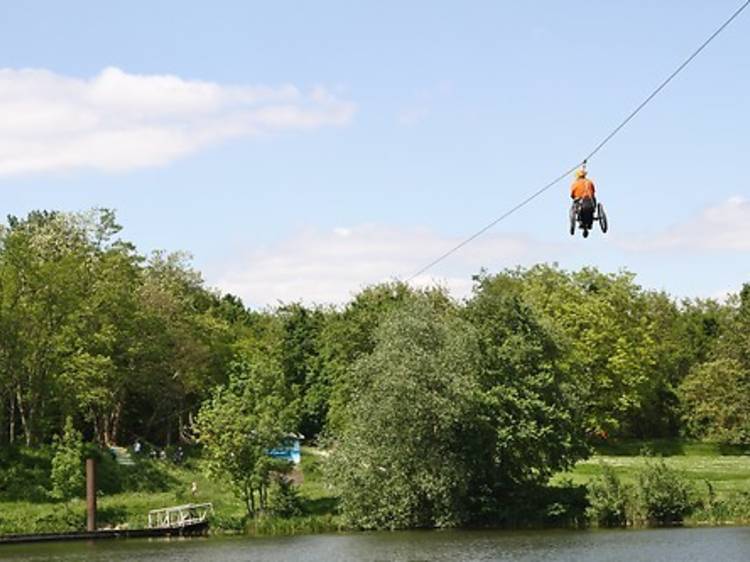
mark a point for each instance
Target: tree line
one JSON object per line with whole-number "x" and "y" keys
{"x": 443, "y": 406}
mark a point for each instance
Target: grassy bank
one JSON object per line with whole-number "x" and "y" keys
{"x": 26, "y": 506}
{"x": 726, "y": 468}
{"x": 720, "y": 476}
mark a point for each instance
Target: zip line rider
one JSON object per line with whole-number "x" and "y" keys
{"x": 583, "y": 193}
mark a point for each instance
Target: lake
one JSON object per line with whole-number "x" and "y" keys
{"x": 726, "y": 544}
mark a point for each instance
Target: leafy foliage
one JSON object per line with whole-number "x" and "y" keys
{"x": 527, "y": 403}
{"x": 405, "y": 463}
{"x": 619, "y": 346}
{"x": 663, "y": 496}
{"x": 67, "y": 476}
{"x": 716, "y": 401}
{"x": 242, "y": 421}
{"x": 438, "y": 412}
{"x": 609, "y": 499}
{"x": 467, "y": 414}
{"x": 716, "y": 393}
{"x": 92, "y": 330}
{"x": 284, "y": 498}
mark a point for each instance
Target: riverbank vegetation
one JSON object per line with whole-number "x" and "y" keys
{"x": 433, "y": 412}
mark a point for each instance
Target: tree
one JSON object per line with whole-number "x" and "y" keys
{"x": 716, "y": 393}
{"x": 91, "y": 329}
{"x": 532, "y": 417}
{"x": 619, "y": 349}
{"x": 67, "y": 464}
{"x": 351, "y": 334}
{"x": 253, "y": 413}
{"x": 45, "y": 271}
{"x": 401, "y": 460}
{"x": 716, "y": 401}
{"x": 300, "y": 359}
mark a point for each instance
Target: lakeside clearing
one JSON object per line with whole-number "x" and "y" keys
{"x": 727, "y": 468}
{"x": 159, "y": 483}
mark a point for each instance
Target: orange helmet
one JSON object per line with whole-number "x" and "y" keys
{"x": 581, "y": 173}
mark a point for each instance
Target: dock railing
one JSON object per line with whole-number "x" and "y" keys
{"x": 179, "y": 515}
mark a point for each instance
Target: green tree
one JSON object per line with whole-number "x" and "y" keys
{"x": 618, "y": 345}
{"x": 253, "y": 413}
{"x": 716, "y": 393}
{"x": 67, "y": 475}
{"x": 89, "y": 328}
{"x": 401, "y": 460}
{"x": 350, "y": 334}
{"x": 716, "y": 401}
{"x": 532, "y": 424}
{"x": 45, "y": 271}
{"x": 300, "y": 358}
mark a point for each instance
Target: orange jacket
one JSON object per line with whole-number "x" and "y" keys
{"x": 582, "y": 188}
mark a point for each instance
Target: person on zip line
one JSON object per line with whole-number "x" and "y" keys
{"x": 583, "y": 194}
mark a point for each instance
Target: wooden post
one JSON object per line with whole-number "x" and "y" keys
{"x": 90, "y": 495}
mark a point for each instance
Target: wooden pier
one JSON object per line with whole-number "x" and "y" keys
{"x": 180, "y": 521}
{"x": 180, "y": 516}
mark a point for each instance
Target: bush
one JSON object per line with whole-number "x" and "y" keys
{"x": 42, "y": 518}
{"x": 276, "y": 526}
{"x": 562, "y": 505}
{"x": 663, "y": 496}
{"x": 730, "y": 508}
{"x": 227, "y": 523}
{"x": 25, "y": 473}
{"x": 715, "y": 398}
{"x": 68, "y": 480}
{"x": 609, "y": 499}
{"x": 284, "y": 498}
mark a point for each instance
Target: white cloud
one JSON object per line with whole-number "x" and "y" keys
{"x": 329, "y": 266}
{"x": 722, "y": 227}
{"x": 118, "y": 121}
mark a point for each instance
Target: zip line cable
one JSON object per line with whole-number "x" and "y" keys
{"x": 679, "y": 69}
{"x": 598, "y": 147}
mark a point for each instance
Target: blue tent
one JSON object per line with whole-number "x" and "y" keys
{"x": 289, "y": 449}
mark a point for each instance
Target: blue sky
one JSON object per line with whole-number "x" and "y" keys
{"x": 303, "y": 150}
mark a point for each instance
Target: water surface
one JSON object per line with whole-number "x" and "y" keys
{"x": 730, "y": 544}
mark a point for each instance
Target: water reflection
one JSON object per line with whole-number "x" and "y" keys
{"x": 716, "y": 545}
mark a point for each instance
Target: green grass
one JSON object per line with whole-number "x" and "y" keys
{"x": 727, "y": 468}
{"x": 720, "y": 474}
{"x": 319, "y": 498}
{"x": 153, "y": 484}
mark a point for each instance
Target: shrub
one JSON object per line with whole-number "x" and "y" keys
{"x": 663, "y": 496}
{"x": 716, "y": 401}
{"x": 284, "y": 498}
{"x": 42, "y": 518}
{"x": 228, "y": 523}
{"x": 25, "y": 473}
{"x": 609, "y": 499}
{"x": 728, "y": 508}
{"x": 67, "y": 475}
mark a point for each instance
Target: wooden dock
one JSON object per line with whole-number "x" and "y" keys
{"x": 188, "y": 520}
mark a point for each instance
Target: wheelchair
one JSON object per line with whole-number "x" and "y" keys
{"x": 584, "y": 217}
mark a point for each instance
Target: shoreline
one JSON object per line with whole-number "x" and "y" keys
{"x": 168, "y": 534}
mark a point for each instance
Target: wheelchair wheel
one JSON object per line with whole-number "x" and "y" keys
{"x": 572, "y": 222}
{"x": 602, "y": 218}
